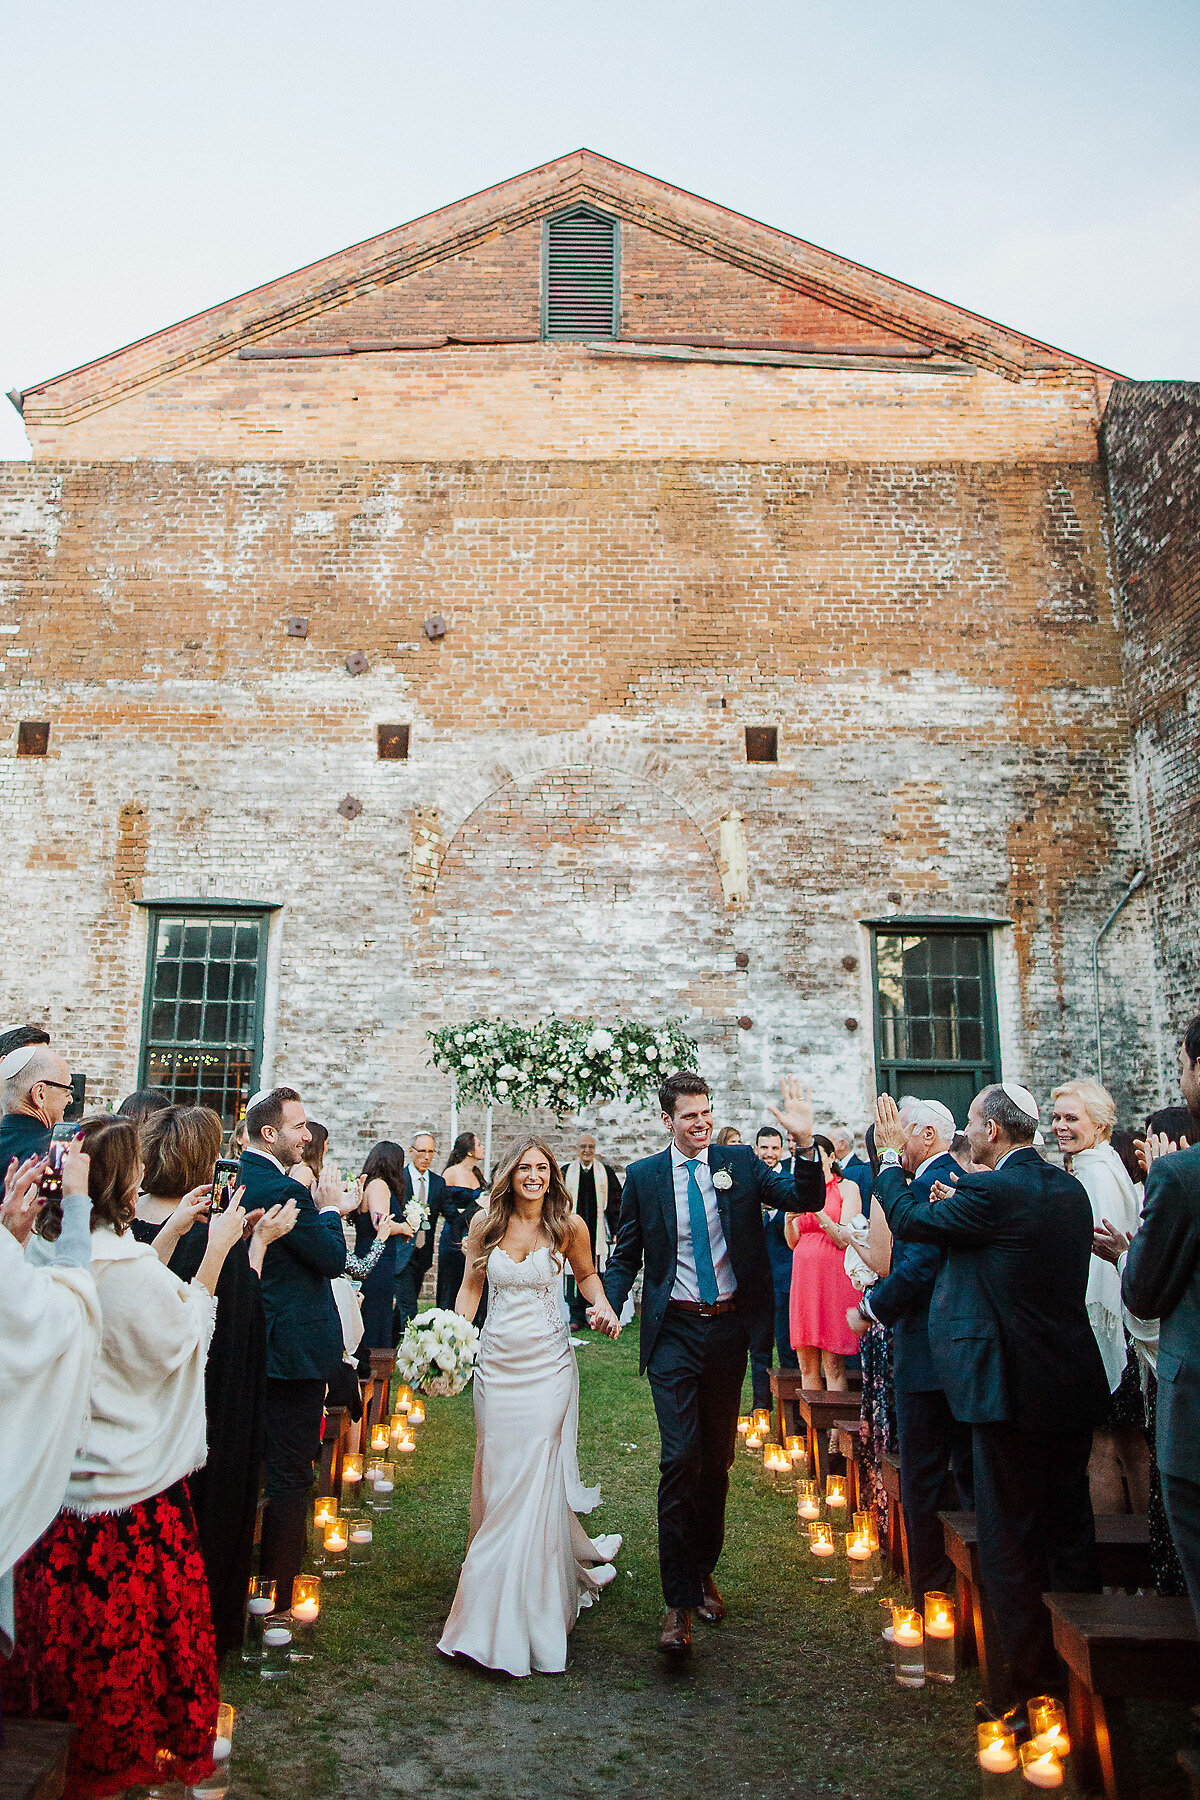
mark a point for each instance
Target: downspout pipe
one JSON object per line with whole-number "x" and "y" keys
{"x": 1138, "y": 881}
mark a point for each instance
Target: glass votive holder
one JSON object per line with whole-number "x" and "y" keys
{"x": 260, "y": 1604}
{"x": 325, "y": 1511}
{"x": 743, "y": 1424}
{"x": 760, "y": 1421}
{"x": 416, "y": 1413}
{"x": 808, "y": 1501}
{"x": 379, "y": 1500}
{"x": 939, "y": 1636}
{"x": 796, "y": 1449}
{"x": 777, "y": 1465}
{"x": 752, "y": 1443}
{"x": 822, "y": 1550}
{"x": 404, "y": 1399}
{"x": 908, "y": 1646}
{"x": 863, "y": 1569}
{"x": 404, "y": 1444}
{"x": 1040, "y": 1768}
{"x": 996, "y": 1750}
{"x": 216, "y": 1785}
{"x": 277, "y": 1650}
{"x": 336, "y": 1541}
{"x": 306, "y": 1610}
{"x": 352, "y": 1475}
{"x": 379, "y": 1440}
{"x": 836, "y": 1496}
{"x": 362, "y": 1542}
{"x": 1048, "y": 1724}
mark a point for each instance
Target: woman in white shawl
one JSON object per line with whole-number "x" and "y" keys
{"x": 49, "y": 1328}
{"x": 1119, "y": 1471}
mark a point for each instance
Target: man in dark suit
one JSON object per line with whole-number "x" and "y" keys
{"x": 595, "y": 1190}
{"x": 1014, "y": 1351}
{"x": 304, "y": 1332}
{"x": 933, "y": 1442}
{"x": 1161, "y": 1281}
{"x": 421, "y": 1182}
{"x": 768, "y": 1147}
{"x": 694, "y": 1214}
{"x": 852, "y": 1165}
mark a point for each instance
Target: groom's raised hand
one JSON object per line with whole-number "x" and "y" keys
{"x": 601, "y": 1317}
{"x": 796, "y": 1114}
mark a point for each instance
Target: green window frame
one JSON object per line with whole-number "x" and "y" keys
{"x": 936, "y": 1028}
{"x": 202, "y": 1008}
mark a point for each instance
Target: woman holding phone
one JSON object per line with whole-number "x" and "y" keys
{"x": 179, "y": 1148}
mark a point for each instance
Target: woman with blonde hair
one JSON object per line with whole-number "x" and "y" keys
{"x": 1084, "y": 1116}
{"x": 530, "y": 1567}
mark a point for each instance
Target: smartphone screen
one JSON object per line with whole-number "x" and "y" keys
{"x": 223, "y": 1183}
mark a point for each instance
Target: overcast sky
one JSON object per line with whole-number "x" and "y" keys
{"x": 1036, "y": 162}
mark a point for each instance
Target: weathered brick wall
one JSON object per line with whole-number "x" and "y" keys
{"x": 1151, "y": 445}
{"x": 935, "y": 642}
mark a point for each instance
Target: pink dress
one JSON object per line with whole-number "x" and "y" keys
{"x": 822, "y": 1291}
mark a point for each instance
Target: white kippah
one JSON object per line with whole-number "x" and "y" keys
{"x": 941, "y": 1112}
{"x": 1022, "y": 1099}
{"x": 262, "y": 1094}
{"x": 16, "y": 1060}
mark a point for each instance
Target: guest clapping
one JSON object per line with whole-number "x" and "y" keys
{"x": 113, "y": 1624}
{"x": 179, "y": 1145}
{"x": 822, "y": 1292}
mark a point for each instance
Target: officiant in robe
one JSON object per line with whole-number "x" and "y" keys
{"x": 595, "y": 1190}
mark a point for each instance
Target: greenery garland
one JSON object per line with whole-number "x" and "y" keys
{"x": 560, "y": 1064}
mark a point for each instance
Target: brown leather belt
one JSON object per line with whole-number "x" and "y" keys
{"x": 700, "y": 1308}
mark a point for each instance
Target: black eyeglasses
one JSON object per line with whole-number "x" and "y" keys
{"x": 64, "y": 1085}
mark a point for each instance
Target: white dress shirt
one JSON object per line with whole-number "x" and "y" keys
{"x": 687, "y": 1287}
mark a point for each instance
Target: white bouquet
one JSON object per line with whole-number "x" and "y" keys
{"x": 437, "y": 1352}
{"x": 417, "y": 1215}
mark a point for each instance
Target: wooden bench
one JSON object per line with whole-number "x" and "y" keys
{"x": 889, "y": 1475}
{"x": 383, "y": 1367}
{"x": 844, "y": 1441}
{"x": 33, "y": 1760}
{"x": 818, "y": 1412}
{"x": 1122, "y": 1556}
{"x": 1120, "y": 1647}
{"x": 335, "y": 1442}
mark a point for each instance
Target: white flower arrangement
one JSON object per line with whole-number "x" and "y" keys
{"x": 437, "y": 1352}
{"x": 560, "y": 1064}
{"x": 416, "y": 1215}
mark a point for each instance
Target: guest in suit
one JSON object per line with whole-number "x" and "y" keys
{"x": 1014, "y": 1351}
{"x": 933, "y": 1443}
{"x": 694, "y": 1214}
{"x": 35, "y": 1092}
{"x": 595, "y": 1190}
{"x": 1161, "y": 1281}
{"x": 768, "y": 1147}
{"x": 852, "y": 1165}
{"x": 422, "y": 1183}
{"x": 304, "y": 1332}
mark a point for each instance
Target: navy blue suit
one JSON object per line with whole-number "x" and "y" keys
{"x": 304, "y": 1347}
{"x": 696, "y": 1365}
{"x": 777, "y": 1326}
{"x": 932, "y": 1441}
{"x": 421, "y": 1259}
{"x": 1012, "y": 1345}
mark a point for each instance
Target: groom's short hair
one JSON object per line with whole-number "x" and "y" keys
{"x": 684, "y": 1081}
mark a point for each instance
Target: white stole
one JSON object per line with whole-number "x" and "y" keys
{"x": 571, "y": 1179}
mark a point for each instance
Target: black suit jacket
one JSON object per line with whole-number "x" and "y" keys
{"x": 1008, "y": 1324}
{"x": 422, "y": 1257}
{"x": 304, "y": 1332}
{"x": 901, "y": 1299}
{"x": 1162, "y": 1281}
{"x": 648, "y": 1229}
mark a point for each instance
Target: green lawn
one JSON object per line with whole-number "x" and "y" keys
{"x": 792, "y": 1696}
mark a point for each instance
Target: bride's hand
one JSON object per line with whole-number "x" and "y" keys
{"x": 601, "y": 1317}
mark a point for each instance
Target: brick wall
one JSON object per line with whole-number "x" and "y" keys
{"x": 1151, "y": 444}
{"x": 936, "y": 643}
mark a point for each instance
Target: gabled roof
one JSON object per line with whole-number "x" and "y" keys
{"x": 695, "y": 223}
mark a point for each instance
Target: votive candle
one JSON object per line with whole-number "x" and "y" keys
{"x": 416, "y": 1413}
{"x": 795, "y": 1448}
{"x": 939, "y": 1636}
{"x": 362, "y": 1537}
{"x": 379, "y": 1439}
{"x": 1048, "y": 1725}
{"x": 223, "y": 1742}
{"x": 335, "y": 1547}
{"x": 835, "y": 1492}
{"x": 743, "y": 1424}
{"x": 1040, "y": 1768}
{"x": 404, "y": 1399}
{"x": 908, "y": 1646}
{"x": 997, "y": 1747}
{"x": 821, "y": 1547}
{"x": 260, "y": 1604}
{"x": 808, "y": 1499}
{"x": 760, "y": 1421}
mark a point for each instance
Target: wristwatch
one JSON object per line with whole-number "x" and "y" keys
{"x": 889, "y": 1158}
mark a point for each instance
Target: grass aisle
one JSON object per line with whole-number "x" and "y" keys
{"x": 792, "y": 1696}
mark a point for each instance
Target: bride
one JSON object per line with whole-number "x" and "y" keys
{"x": 530, "y": 1567}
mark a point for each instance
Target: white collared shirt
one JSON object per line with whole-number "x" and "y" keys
{"x": 687, "y": 1286}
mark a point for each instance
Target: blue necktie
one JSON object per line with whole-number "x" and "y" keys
{"x": 706, "y": 1275}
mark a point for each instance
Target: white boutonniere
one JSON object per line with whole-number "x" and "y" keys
{"x": 722, "y": 1179}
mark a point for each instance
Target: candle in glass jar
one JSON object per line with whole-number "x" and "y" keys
{"x": 743, "y": 1424}
{"x": 352, "y": 1470}
{"x": 795, "y": 1448}
{"x": 335, "y": 1537}
{"x": 324, "y": 1511}
{"x": 776, "y": 1460}
{"x": 858, "y": 1549}
{"x": 1048, "y": 1725}
{"x": 406, "y": 1441}
{"x": 820, "y": 1539}
{"x": 753, "y": 1439}
{"x": 808, "y": 1500}
{"x": 835, "y": 1491}
{"x": 404, "y": 1399}
{"x": 997, "y": 1752}
{"x": 379, "y": 1438}
{"x": 1040, "y": 1768}
{"x": 223, "y": 1742}
{"x": 416, "y": 1413}
{"x": 906, "y": 1631}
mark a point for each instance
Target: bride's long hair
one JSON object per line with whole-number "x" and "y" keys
{"x": 556, "y": 1206}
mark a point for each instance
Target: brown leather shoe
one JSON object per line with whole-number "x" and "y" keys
{"x": 676, "y": 1639}
{"x": 712, "y": 1607}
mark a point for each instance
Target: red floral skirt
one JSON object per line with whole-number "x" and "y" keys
{"x": 114, "y": 1633}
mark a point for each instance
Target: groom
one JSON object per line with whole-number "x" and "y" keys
{"x": 695, "y": 1214}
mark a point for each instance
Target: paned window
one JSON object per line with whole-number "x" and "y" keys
{"x": 935, "y": 1014}
{"x": 202, "y": 1032}
{"x": 580, "y": 275}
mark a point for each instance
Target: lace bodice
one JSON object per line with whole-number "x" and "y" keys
{"x": 523, "y": 1291}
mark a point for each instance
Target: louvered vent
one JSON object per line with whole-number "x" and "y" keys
{"x": 580, "y": 288}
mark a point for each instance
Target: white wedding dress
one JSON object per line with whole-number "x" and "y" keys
{"x": 530, "y": 1567}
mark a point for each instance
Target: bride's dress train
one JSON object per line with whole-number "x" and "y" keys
{"x": 530, "y": 1567}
